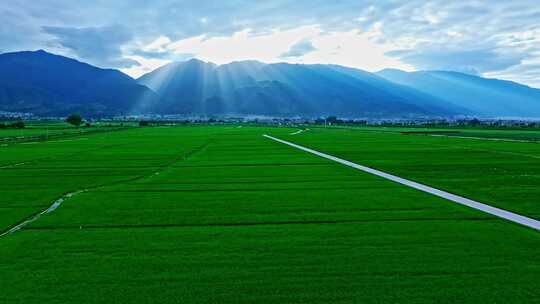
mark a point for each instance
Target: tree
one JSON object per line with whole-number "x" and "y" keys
{"x": 74, "y": 119}
{"x": 331, "y": 120}
{"x": 475, "y": 122}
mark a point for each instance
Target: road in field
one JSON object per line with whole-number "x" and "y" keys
{"x": 510, "y": 216}
{"x": 299, "y": 131}
{"x": 504, "y": 174}
{"x": 243, "y": 219}
{"x": 296, "y": 132}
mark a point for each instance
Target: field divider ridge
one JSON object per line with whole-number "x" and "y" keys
{"x": 507, "y": 215}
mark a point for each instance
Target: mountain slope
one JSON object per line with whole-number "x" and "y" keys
{"x": 51, "y": 85}
{"x": 250, "y": 87}
{"x": 485, "y": 97}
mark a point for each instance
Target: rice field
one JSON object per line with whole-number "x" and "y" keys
{"x": 50, "y": 130}
{"x": 219, "y": 214}
{"x": 502, "y": 173}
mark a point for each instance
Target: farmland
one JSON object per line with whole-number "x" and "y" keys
{"x": 485, "y": 165}
{"x": 46, "y": 130}
{"x": 214, "y": 214}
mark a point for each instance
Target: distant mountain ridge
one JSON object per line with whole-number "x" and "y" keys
{"x": 51, "y": 85}
{"x": 281, "y": 89}
{"x": 486, "y": 97}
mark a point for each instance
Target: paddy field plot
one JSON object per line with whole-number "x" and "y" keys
{"x": 42, "y": 130}
{"x": 220, "y": 214}
{"x": 501, "y": 173}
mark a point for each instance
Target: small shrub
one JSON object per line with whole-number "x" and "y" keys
{"x": 74, "y": 119}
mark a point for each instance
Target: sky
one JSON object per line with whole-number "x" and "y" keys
{"x": 495, "y": 38}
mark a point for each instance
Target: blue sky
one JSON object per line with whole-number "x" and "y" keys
{"x": 492, "y": 38}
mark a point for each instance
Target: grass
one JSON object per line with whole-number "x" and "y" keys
{"x": 52, "y": 168}
{"x": 50, "y": 130}
{"x": 512, "y": 134}
{"x": 499, "y": 173}
{"x": 220, "y": 214}
{"x": 503, "y": 135}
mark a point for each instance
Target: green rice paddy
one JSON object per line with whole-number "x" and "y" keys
{"x": 49, "y": 130}
{"x": 219, "y": 214}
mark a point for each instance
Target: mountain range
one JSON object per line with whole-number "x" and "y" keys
{"x": 50, "y": 85}
{"x": 250, "y": 87}
{"x": 486, "y": 97}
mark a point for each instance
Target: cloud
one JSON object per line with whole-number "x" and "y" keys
{"x": 309, "y": 44}
{"x": 505, "y": 31}
{"x": 528, "y": 73}
{"x": 158, "y": 49}
{"x": 299, "y": 49}
{"x": 354, "y": 49}
{"x": 148, "y": 61}
{"x": 473, "y": 61}
{"x": 101, "y": 46}
{"x": 243, "y": 45}
{"x": 145, "y": 65}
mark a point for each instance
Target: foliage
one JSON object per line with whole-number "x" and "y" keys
{"x": 74, "y": 119}
{"x": 17, "y": 124}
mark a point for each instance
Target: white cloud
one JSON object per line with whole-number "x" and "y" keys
{"x": 243, "y": 45}
{"x": 352, "y": 48}
{"x": 419, "y": 26}
{"x": 145, "y": 65}
{"x": 157, "y": 45}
